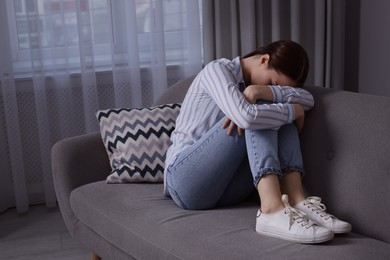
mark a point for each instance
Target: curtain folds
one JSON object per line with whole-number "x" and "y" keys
{"x": 62, "y": 60}
{"x": 234, "y": 28}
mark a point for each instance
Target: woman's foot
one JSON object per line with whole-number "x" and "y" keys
{"x": 315, "y": 210}
{"x": 290, "y": 224}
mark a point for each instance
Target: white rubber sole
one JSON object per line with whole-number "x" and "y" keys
{"x": 281, "y": 235}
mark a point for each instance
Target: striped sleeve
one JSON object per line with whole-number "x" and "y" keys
{"x": 286, "y": 94}
{"x": 219, "y": 82}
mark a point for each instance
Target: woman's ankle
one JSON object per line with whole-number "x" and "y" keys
{"x": 295, "y": 201}
{"x": 271, "y": 208}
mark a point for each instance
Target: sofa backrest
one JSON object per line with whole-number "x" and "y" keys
{"x": 176, "y": 92}
{"x": 345, "y": 146}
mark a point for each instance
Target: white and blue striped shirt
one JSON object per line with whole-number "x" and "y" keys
{"x": 215, "y": 93}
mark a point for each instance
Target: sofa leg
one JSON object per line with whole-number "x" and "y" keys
{"x": 94, "y": 256}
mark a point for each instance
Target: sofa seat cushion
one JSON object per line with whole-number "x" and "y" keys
{"x": 141, "y": 222}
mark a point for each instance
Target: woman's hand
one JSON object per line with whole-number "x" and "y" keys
{"x": 253, "y": 93}
{"x": 250, "y": 94}
{"x": 230, "y": 125}
{"x": 299, "y": 116}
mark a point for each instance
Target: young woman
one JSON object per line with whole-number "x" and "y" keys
{"x": 237, "y": 130}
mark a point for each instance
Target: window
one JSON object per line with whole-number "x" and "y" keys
{"x": 52, "y": 29}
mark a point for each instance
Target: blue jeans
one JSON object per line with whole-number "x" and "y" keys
{"x": 222, "y": 170}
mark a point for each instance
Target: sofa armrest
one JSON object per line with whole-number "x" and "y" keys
{"x": 77, "y": 161}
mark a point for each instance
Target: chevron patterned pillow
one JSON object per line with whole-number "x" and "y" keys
{"x": 136, "y": 141}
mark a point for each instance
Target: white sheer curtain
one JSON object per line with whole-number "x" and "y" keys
{"x": 236, "y": 27}
{"x": 62, "y": 60}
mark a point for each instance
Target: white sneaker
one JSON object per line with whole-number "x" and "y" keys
{"x": 315, "y": 210}
{"x": 292, "y": 225}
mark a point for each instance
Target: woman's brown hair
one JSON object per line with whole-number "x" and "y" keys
{"x": 286, "y": 57}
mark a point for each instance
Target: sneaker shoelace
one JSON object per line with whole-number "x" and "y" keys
{"x": 296, "y": 215}
{"x": 314, "y": 203}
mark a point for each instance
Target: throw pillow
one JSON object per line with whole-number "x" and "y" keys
{"x": 136, "y": 141}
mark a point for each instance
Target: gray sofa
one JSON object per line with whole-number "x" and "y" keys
{"x": 346, "y": 149}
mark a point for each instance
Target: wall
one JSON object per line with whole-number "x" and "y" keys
{"x": 374, "y": 54}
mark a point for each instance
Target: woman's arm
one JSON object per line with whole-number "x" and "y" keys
{"x": 279, "y": 94}
{"x": 286, "y": 94}
{"x": 218, "y": 81}
{"x": 301, "y": 99}
{"x": 299, "y": 121}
